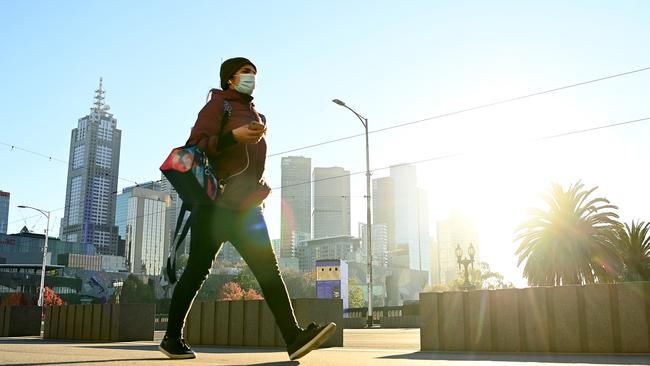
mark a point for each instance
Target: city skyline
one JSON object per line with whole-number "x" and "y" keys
{"x": 488, "y": 100}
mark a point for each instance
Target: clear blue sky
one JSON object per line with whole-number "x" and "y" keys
{"x": 392, "y": 61}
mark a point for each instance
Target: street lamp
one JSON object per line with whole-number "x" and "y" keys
{"x": 47, "y": 233}
{"x": 465, "y": 262}
{"x": 364, "y": 122}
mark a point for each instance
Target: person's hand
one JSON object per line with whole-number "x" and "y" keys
{"x": 246, "y": 135}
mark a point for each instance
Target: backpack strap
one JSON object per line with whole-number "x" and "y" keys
{"x": 182, "y": 228}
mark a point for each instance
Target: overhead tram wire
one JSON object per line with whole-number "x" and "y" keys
{"x": 461, "y": 153}
{"x": 439, "y": 157}
{"x": 50, "y": 158}
{"x": 470, "y": 109}
{"x": 439, "y": 116}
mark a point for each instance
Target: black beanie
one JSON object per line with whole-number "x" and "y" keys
{"x": 230, "y": 67}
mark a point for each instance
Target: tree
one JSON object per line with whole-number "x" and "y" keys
{"x": 570, "y": 242}
{"x": 633, "y": 244}
{"x": 50, "y": 298}
{"x": 300, "y": 285}
{"x": 232, "y": 291}
{"x": 134, "y": 291}
{"x": 18, "y": 298}
{"x": 211, "y": 287}
{"x": 355, "y": 294}
{"x": 246, "y": 279}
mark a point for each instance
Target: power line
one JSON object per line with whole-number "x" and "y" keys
{"x": 14, "y": 147}
{"x": 482, "y": 106}
{"x": 435, "y": 117}
{"x": 457, "y": 154}
{"x": 435, "y": 158}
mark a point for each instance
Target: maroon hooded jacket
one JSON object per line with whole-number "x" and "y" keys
{"x": 239, "y": 166}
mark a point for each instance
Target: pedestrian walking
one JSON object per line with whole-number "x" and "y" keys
{"x": 231, "y": 133}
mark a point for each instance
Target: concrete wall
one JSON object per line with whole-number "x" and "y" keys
{"x": 603, "y": 318}
{"x": 251, "y": 323}
{"x": 18, "y": 321}
{"x": 100, "y": 322}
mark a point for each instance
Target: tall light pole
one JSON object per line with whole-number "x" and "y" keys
{"x": 47, "y": 233}
{"x": 364, "y": 122}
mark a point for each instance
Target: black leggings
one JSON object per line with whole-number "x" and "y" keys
{"x": 246, "y": 230}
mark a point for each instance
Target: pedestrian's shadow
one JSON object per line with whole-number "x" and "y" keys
{"x": 275, "y": 363}
{"x": 86, "y": 362}
{"x": 627, "y": 359}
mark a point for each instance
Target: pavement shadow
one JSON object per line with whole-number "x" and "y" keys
{"x": 199, "y": 349}
{"x": 626, "y": 359}
{"x": 275, "y": 363}
{"x": 86, "y": 362}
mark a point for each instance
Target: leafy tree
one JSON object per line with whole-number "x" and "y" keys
{"x": 300, "y": 285}
{"x": 570, "y": 242}
{"x": 50, "y": 298}
{"x": 232, "y": 291}
{"x": 134, "y": 291}
{"x": 246, "y": 279}
{"x": 355, "y": 295}
{"x": 210, "y": 289}
{"x": 18, "y": 298}
{"x": 633, "y": 244}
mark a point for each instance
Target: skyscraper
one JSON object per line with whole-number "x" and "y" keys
{"x": 411, "y": 217}
{"x": 93, "y": 169}
{"x": 4, "y": 211}
{"x": 295, "y": 217}
{"x": 331, "y": 209}
{"x": 457, "y": 229}
{"x": 146, "y": 213}
{"x": 383, "y": 207}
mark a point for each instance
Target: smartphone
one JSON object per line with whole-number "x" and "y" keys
{"x": 255, "y": 125}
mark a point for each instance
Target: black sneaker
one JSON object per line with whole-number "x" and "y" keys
{"x": 175, "y": 347}
{"x": 309, "y": 339}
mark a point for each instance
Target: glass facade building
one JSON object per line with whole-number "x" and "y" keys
{"x": 93, "y": 168}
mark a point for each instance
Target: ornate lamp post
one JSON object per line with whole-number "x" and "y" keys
{"x": 465, "y": 262}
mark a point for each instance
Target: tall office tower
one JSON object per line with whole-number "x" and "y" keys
{"x": 295, "y": 212}
{"x": 411, "y": 217}
{"x": 383, "y": 207}
{"x": 145, "y": 212}
{"x": 331, "y": 209}
{"x": 457, "y": 229}
{"x": 379, "y": 244}
{"x": 4, "y": 211}
{"x": 92, "y": 179}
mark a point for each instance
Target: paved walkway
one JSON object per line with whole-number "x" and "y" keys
{"x": 362, "y": 347}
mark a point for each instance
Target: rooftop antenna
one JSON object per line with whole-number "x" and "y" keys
{"x": 100, "y": 105}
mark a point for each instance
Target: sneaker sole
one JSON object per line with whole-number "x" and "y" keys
{"x": 171, "y": 355}
{"x": 315, "y": 342}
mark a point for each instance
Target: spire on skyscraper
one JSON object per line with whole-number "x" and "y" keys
{"x": 100, "y": 106}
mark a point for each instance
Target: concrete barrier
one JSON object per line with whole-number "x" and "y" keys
{"x": 602, "y": 318}
{"x": 18, "y": 321}
{"x": 251, "y": 323}
{"x": 100, "y": 322}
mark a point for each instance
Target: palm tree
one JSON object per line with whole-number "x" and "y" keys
{"x": 570, "y": 242}
{"x": 633, "y": 244}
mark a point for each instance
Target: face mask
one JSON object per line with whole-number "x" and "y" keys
{"x": 246, "y": 84}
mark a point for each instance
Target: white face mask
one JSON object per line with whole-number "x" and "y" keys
{"x": 246, "y": 84}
